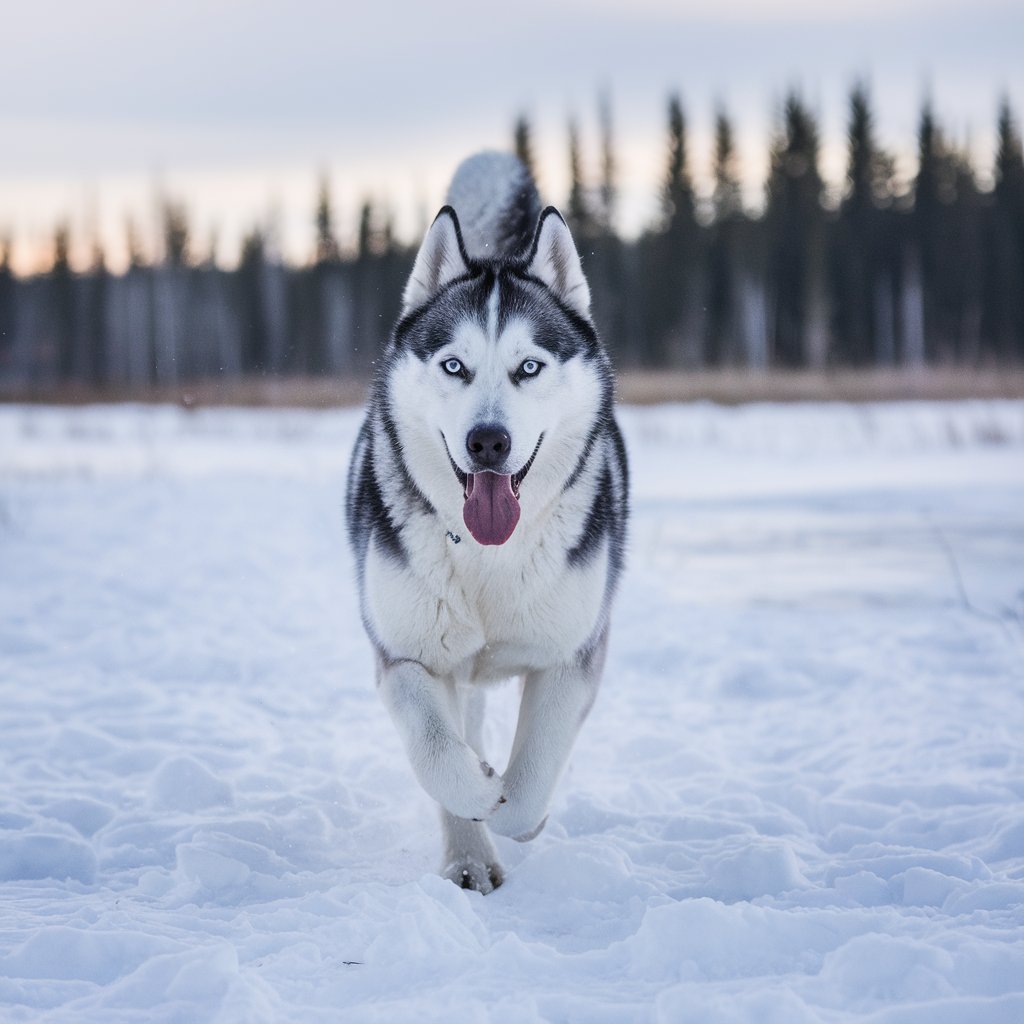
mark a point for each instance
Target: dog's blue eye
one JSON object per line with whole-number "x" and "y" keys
{"x": 452, "y": 366}
{"x": 530, "y": 368}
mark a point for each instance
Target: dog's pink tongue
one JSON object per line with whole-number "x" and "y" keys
{"x": 491, "y": 510}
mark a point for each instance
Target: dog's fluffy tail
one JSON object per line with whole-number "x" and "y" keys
{"x": 497, "y": 204}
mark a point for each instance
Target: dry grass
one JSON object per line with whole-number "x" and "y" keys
{"x": 726, "y": 387}
{"x": 255, "y": 392}
{"x": 731, "y": 387}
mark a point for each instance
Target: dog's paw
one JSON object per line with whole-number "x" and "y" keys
{"x": 510, "y": 821}
{"x": 490, "y": 773}
{"x": 474, "y": 874}
{"x": 464, "y": 785}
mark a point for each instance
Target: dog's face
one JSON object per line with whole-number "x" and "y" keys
{"x": 497, "y": 375}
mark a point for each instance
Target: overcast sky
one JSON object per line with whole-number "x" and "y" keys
{"x": 237, "y": 108}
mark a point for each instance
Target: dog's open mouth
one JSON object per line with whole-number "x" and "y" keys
{"x": 491, "y": 500}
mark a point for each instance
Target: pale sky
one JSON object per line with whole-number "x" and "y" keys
{"x": 236, "y": 108}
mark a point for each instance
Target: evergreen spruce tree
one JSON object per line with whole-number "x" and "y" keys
{"x": 63, "y": 305}
{"x": 678, "y": 207}
{"x": 861, "y": 272}
{"x": 931, "y": 192}
{"x": 862, "y": 161}
{"x": 172, "y": 350}
{"x": 209, "y": 261}
{"x": 727, "y": 197}
{"x": 132, "y": 244}
{"x": 608, "y": 189}
{"x": 1005, "y": 276}
{"x": 8, "y": 293}
{"x": 606, "y": 265}
{"x": 947, "y": 243}
{"x": 522, "y": 144}
{"x": 327, "y": 250}
{"x": 94, "y": 316}
{"x": 722, "y": 334}
{"x": 794, "y": 223}
{"x": 366, "y": 245}
{"x": 373, "y": 276}
{"x": 312, "y": 356}
{"x": 176, "y": 234}
{"x": 578, "y": 209}
{"x": 252, "y": 322}
{"x": 670, "y": 257}
{"x": 1009, "y": 161}
{"x": 964, "y": 266}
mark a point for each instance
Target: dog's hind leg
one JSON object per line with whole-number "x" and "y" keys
{"x": 472, "y": 700}
{"x": 470, "y": 859}
{"x": 426, "y": 713}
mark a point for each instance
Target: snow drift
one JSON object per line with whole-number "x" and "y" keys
{"x": 798, "y": 798}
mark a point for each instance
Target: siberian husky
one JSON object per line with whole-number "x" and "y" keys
{"x": 487, "y": 505}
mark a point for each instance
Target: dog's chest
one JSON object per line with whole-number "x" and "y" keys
{"x": 491, "y": 611}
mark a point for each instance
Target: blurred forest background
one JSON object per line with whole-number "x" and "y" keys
{"x": 873, "y": 271}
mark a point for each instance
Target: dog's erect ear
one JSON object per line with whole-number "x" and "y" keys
{"x": 441, "y": 259}
{"x": 554, "y": 261}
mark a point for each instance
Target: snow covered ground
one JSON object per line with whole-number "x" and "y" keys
{"x": 800, "y": 796}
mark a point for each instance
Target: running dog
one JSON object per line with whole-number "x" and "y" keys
{"x": 487, "y": 508}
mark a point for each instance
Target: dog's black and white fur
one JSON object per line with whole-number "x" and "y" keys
{"x": 487, "y": 506}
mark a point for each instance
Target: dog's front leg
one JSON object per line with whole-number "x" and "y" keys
{"x": 470, "y": 860}
{"x": 555, "y": 703}
{"x": 425, "y": 712}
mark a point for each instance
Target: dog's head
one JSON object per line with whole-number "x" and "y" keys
{"x": 495, "y": 378}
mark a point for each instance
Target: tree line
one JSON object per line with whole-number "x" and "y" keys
{"x": 893, "y": 273}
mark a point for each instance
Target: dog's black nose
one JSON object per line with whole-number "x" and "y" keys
{"x": 488, "y": 445}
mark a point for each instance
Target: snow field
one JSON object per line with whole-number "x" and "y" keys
{"x": 799, "y": 797}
